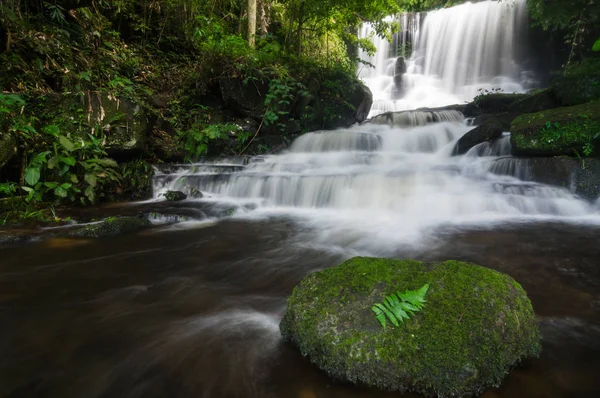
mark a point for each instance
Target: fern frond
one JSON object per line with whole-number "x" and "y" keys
{"x": 400, "y": 306}
{"x": 379, "y": 315}
{"x": 388, "y": 314}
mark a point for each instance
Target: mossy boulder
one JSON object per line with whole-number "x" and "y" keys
{"x": 535, "y": 102}
{"x": 572, "y": 131}
{"x": 174, "y": 196}
{"x": 476, "y": 325}
{"x": 492, "y": 103}
{"x": 113, "y": 226}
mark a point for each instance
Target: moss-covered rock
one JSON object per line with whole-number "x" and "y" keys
{"x": 477, "y": 324}
{"x": 535, "y": 102}
{"x": 174, "y": 196}
{"x": 113, "y": 226}
{"x": 572, "y": 131}
{"x": 492, "y": 103}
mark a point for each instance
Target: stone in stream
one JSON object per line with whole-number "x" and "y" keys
{"x": 174, "y": 196}
{"x": 489, "y": 130}
{"x": 113, "y": 226}
{"x": 476, "y": 325}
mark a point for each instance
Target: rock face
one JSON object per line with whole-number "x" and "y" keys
{"x": 490, "y": 129}
{"x": 492, "y": 103}
{"x": 580, "y": 177}
{"x": 572, "y": 131}
{"x": 580, "y": 84}
{"x": 175, "y": 196}
{"x": 476, "y": 325}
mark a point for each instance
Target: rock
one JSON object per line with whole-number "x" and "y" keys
{"x": 571, "y": 131}
{"x": 491, "y": 129}
{"x": 125, "y": 124}
{"x": 399, "y": 71}
{"x": 419, "y": 117}
{"x": 113, "y": 226}
{"x": 492, "y": 103}
{"x": 476, "y": 325}
{"x": 504, "y": 118}
{"x": 247, "y": 99}
{"x": 580, "y": 84}
{"x": 400, "y": 66}
{"x": 8, "y": 149}
{"x": 166, "y": 145}
{"x": 195, "y": 193}
{"x": 580, "y": 177}
{"x": 174, "y": 196}
{"x": 537, "y": 102}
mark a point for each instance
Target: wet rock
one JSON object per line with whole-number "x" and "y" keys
{"x": 492, "y": 103}
{"x": 399, "y": 71}
{"x": 195, "y": 193}
{"x": 124, "y": 123}
{"x": 580, "y": 177}
{"x": 537, "y": 102}
{"x": 571, "y": 131}
{"x": 476, "y": 325}
{"x": 174, "y": 196}
{"x": 419, "y": 117}
{"x": 113, "y": 226}
{"x": 491, "y": 129}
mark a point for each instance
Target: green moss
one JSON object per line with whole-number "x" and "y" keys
{"x": 561, "y": 131}
{"x": 476, "y": 325}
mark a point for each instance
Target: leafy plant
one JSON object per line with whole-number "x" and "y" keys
{"x": 596, "y": 46}
{"x": 400, "y": 306}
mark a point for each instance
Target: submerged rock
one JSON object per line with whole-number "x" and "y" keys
{"x": 113, "y": 226}
{"x": 572, "y": 131}
{"x": 476, "y": 325}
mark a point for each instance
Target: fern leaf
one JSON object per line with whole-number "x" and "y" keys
{"x": 400, "y": 306}
{"x": 388, "y": 313}
{"x": 380, "y": 315}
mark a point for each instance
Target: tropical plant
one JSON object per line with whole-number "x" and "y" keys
{"x": 400, "y": 306}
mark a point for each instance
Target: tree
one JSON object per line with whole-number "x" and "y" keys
{"x": 252, "y": 23}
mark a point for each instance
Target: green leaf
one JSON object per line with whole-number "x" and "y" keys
{"x": 60, "y": 192}
{"x": 91, "y": 179}
{"x": 53, "y": 162}
{"x": 68, "y": 160}
{"x": 389, "y": 314}
{"x": 596, "y": 46}
{"x": 74, "y": 179}
{"x": 32, "y": 175}
{"x": 106, "y": 162}
{"x": 89, "y": 193}
{"x": 400, "y": 306}
{"x": 379, "y": 315}
{"x": 66, "y": 143}
{"x": 51, "y": 185}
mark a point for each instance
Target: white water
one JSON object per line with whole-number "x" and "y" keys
{"x": 456, "y": 52}
{"x": 372, "y": 186}
{"x": 393, "y": 182}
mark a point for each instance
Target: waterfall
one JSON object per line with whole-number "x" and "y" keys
{"x": 456, "y": 53}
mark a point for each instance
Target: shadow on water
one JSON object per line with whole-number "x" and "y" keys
{"x": 195, "y": 312}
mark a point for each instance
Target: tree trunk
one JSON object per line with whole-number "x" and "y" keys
{"x": 252, "y": 23}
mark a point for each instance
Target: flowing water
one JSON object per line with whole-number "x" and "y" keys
{"x": 452, "y": 55}
{"x": 191, "y": 309}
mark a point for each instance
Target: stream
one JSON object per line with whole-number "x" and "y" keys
{"x": 191, "y": 307}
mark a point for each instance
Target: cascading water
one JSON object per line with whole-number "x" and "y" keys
{"x": 394, "y": 180}
{"x": 456, "y": 53}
